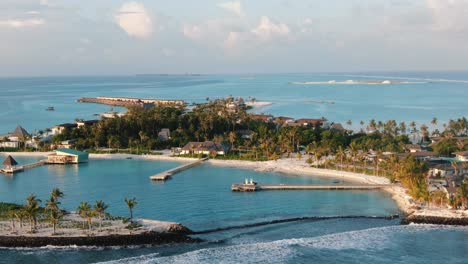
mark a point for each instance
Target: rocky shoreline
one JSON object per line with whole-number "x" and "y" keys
{"x": 147, "y": 238}
{"x": 434, "y": 220}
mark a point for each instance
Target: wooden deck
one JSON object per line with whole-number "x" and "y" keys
{"x": 165, "y": 175}
{"x": 286, "y": 187}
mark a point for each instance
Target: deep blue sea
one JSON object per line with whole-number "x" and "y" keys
{"x": 201, "y": 198}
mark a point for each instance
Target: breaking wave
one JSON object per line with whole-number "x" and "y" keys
{"x": 370, "y": 242}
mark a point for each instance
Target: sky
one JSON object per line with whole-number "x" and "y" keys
{"x": 107, "y": 37}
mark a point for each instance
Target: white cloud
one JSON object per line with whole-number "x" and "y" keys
{"x": 234, "y": 6}
{"x": 134, "y": 19}
{"x": 236, "y": 36}
{"x": 268, "y": 30}
{"x": 212, "y": 31}
{"x": 22, "y": 23}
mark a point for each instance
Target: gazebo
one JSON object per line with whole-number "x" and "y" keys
{"x": 10, "y": 165}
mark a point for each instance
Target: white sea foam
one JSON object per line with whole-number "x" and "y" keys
{"x": 356, "y": 82}
{"x": 420, "y": 80}
{"x": 283, "y": 250}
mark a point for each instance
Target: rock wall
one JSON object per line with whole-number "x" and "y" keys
{"x": 148, "y": 238}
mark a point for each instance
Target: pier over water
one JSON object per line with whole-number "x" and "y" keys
{"x": 165, "y": 175}
{"x": 253, "y": 187}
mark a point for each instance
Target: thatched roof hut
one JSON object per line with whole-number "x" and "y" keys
{"x": 20, "y": 132}
{"x": 10, "y": 162}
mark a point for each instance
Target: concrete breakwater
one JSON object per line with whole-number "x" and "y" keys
{"x": 131, "y": 102}
{"x": 147, "y": 238}
{"x": 435, "y": 220}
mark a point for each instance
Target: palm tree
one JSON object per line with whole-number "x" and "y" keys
{"x": 56, "y": 194}
{"x": 131, "y": 203}
{"x": 84, "y": 210}
{"x": 20, "y": 214}
{"x": 52, "y": 204}
{"x": 100, "y": 207}
{"x": 55, "y": 216}
{"x": 354, "y": 152}
{"x": 232, "y": 139}
{"x": 340, "y": 154}
{"x": 434, "y": 122}
{"x": 402, "y": 128}
{"x": 32, "y": 208}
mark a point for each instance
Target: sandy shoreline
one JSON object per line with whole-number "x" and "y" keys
{"x": 294, "y": 166}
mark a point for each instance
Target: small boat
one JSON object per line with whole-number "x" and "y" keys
{"x": 50, "y": 108}
{"x": 129, "y": 158}
{"x": 336, "y": 181}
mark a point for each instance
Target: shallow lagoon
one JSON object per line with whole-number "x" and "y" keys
{"x": 199, "y": 198}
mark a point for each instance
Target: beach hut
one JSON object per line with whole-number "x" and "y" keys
{"x": 67, "y": 156}
{"x": 10, "y": 165}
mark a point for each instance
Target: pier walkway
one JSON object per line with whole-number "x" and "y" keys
{"x": 165, "y": 175}
{"x": 35, "y": 164}
{"x": 286, "y": 187}
{"x": 24, "y": 167}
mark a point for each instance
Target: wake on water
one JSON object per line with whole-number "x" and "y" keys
{"x": 281, "y": 251}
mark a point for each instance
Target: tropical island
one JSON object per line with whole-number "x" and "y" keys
{"x": 424, "y": 169}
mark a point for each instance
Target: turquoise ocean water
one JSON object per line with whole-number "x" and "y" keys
{"x": 420, "y": 96}
{"x": 201, "y": 198}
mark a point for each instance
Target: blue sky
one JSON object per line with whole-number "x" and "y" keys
{"x": 72, "y": 37}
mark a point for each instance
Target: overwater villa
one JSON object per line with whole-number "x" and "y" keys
{"x": 10, "y": 165}
{"x": 67, "y": 156}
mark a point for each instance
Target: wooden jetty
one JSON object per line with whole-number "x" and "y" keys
{"x": 252, "y": 187}
{"x": 163, "y": 176}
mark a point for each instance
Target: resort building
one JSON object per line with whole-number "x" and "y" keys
{"x": 337, "y": 127}
{"x": 461, "y": 156}
{"x": 68, "y": 144}
{"x": 447, "y": 169}
{"x": 420, "y": 155}
{"x": 204, "y": 148}
{"x": 281, "y": 120}
{"x": 16, "y": 139}
{"x": 86, "y": 123}
{"x": 112, "y": 114}
{"x": 67, "y": 156}
{"x": 10, "y": 165}
{"x": 310, "y": 122}
{"x": 413, "y": 148}
{"x": 263, "y": 118}
{"x": 58, "y": 129}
